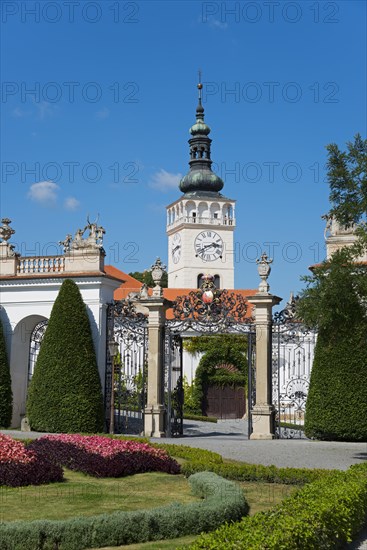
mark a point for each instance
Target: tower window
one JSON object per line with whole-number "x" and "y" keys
{"x": 217, "y": 281}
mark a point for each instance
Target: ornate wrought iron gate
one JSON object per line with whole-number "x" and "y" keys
{"x": 206, "y": 311}
{"x": 126, "y": 373}
{"x": 173, "y": 381}
{"x": 292, "y": 354}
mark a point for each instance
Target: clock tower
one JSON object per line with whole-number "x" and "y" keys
{"x": 200, "y": 224}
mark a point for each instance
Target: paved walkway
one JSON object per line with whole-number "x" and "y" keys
{"x": 229, "y": 438}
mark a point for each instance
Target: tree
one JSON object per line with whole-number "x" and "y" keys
{"x": 146, "y": 277}
{"x": 347, "y": 177}
{"x": 65, "y": 391}
{"x": 224, "y": 342}
{"x": 6, "y": 395}
{"x": 335, "y": 303}
{"x": 222, "y": 349}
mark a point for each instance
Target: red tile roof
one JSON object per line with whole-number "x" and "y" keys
{"x": 131, "y": 285}
{"x": 126, "y": 279}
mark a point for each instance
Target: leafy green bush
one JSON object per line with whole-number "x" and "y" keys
{"x": 65, "y": 391}
{"x": 6, "y": 396}
{"x": 324, "y": 514}
{"x": 223, "y": 501}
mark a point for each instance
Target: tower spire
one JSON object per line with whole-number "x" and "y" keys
{"x": 200, "y": 108}
{"x": 200, "y": 179}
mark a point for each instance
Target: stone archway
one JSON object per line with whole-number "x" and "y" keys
{"x": 19, "y": 361}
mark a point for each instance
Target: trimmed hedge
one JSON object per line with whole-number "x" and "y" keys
{"x": 104, "y": 457}
{"x": 192, "y": 454}
{"x": 324, "y": 514}
{"x": 256, "y": 472}
{"x": 6, "y": 395}
{"x": 200, "y": 460}
{"x": 65, "y": 391}
{"x": 336, "y": 406}
{"x": 223, "y": 501}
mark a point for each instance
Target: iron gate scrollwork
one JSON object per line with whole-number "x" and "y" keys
{"x": 126, "y": 373}
{"x": 206, "y": 311}
{"x": 292, "y": 357}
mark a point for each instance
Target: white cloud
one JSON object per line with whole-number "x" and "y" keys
{"x": 19, "y": 113}
{"x": 103, "y": 113}
{"x": 216, "y": 24}
{"x": 165, "y": 181}
{"x": 45, "y": 109}
{"x": 71, "y": 203}
{"x": 44, "y": 192}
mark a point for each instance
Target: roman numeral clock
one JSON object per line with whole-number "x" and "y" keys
{"x": 201, "y": 223}
{"x": 209, "y": 246}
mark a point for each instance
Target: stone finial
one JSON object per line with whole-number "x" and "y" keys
{"x": 157, "y": 270}
{"x": 5, "y": 230}
{"x": 264, "y": 269}
{"x": 6, "y": 249}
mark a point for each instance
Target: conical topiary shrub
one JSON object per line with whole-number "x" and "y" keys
{"x": 337, "y": 400}
{"x": 6, "y": 396}
{"x": 65, "y": 391}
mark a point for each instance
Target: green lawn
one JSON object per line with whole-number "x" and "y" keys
{"x": 83, "y": 495}
{"x": 260, "y": 496}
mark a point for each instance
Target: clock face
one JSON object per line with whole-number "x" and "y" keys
{"x": 176, "y": 248}
{"x": 208, "y": 246}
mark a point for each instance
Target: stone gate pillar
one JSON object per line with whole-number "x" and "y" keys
{"x": 263, "y": 413}
{"x": 155, "y": 413}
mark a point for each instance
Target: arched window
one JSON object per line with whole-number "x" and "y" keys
{"x": 35, "y": 345}
{"x": 217, "y": 281}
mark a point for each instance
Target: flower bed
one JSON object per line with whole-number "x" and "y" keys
{"x": 103, "y": 457}
{"x": 21, "y": 466}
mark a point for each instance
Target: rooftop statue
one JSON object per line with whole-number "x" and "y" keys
{"x": 5, "y": 230}
{"x": 93, "y": 241}
{"x": 334, "y": 228}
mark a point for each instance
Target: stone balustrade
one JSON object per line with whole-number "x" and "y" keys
{"x": 203, "y": 220}
{"x": 40, "y": 264}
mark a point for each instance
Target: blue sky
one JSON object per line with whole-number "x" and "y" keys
{"x": 98, "y": 97}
